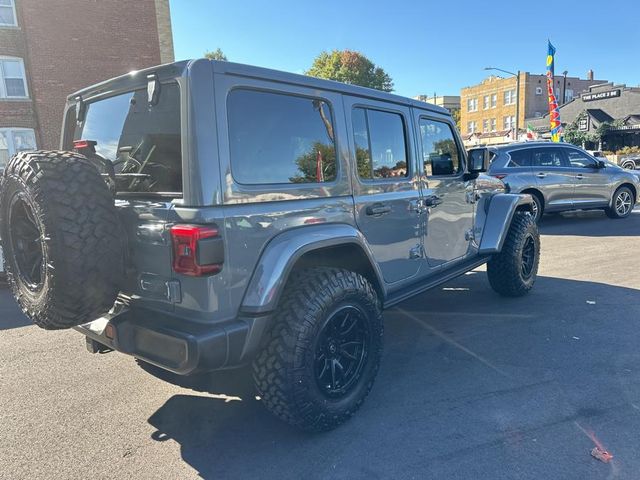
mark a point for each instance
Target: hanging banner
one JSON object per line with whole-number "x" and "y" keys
{"x": 554, "y": 110}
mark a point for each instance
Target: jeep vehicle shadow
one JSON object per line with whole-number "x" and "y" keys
{"x": 470, "y": 387}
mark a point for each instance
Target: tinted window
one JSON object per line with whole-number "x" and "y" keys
{"x": 548, "y": 157}
{"x": 520, "y": 158}
{"x": 141, "y": 141}
{"x": 380, "y": 144}
{"x": 579, "y": 159}
{"x": 439, "y": 149}
{"x": 275, "y": 138}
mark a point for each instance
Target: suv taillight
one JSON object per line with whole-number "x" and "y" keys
{"x": 197, "y": 250}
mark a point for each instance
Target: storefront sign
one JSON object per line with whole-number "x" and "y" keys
{"x": 583, "y": 124}
{"x": 589, "y": 97}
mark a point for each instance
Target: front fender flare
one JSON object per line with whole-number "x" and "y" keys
{"x": 282, "y": 253}
{"x": 500, "y": 213}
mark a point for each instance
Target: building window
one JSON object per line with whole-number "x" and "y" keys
{"x": 8, "y": 13}
{"x": 13, "y": 83}
{"x": 494, "y": 100}
{"x": 568, "y": 95}
{"x": 276, "y": 138}
{"x": 471, "y": 127}
{"x": 14, "y": 140}
{"x": 472, "y": 105}
{"x": 485, "y": 125}
{"x": 538, "y": 90}
{"x": 485, "y": 102}
{"x": 509, "y": 122}
{"x": 510, "y": 97}
{"x": 494, "y": 125}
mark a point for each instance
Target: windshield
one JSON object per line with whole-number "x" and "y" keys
{"x": 135, "y": 144}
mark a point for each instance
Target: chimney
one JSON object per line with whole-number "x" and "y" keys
{"x": 590, "y": 75}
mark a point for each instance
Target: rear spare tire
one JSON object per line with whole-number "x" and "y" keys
{"x": 61, "y": 236}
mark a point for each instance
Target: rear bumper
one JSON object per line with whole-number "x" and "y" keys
{"x": 176, "y": 344}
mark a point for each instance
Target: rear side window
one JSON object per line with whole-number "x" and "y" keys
{"x": 380, "y": 141}
{"x": 439, "y": 149}
{"x": 142, "y": 142}
{"x": 520, "y": 158}
{"x": 548, "y": 157}
{"x": 277, "y": 138}
{"x": 580, "y": 160}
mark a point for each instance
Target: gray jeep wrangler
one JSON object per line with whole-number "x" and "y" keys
{"x": 203, "y": 215}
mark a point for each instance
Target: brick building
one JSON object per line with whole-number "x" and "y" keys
{"x": 488, "y": 110}
{"x": 51, "y": 49}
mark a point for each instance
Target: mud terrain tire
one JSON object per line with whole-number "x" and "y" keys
{"x": 309, "y": 323}
{"x": 62, "y": 239}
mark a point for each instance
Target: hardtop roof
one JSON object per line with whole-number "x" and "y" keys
{"x": 231, "y": 68}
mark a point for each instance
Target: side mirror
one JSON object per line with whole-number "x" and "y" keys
{"x": 479, "y": 159}
{"x": 601, "y": 164}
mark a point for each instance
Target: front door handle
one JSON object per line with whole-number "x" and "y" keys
{"x": 378, "y": 209}
{"x": 432, "y": 201}
{"x": 579, "y": 176}
{"x": 541, "y": 175}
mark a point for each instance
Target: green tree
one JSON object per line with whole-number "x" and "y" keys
{"x": 308, "y": 164}
{"x": 352, "y": 67}
{"x": 216, "y": 54}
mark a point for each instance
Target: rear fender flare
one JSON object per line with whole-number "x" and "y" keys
{"x": 283, "y": 251}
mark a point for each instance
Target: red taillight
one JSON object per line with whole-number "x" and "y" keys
{"x": 197, "y": 250}
{"x": 500, "y": 176}
{"x": 85, "y": 146}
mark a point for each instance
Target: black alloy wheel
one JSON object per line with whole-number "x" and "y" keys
{"x": 341, "y": 351}
{"x": 528, "y": 257}
{"x": 27, "y": 243}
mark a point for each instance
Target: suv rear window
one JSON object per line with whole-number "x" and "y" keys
{"x": 142, "y": 142}
{"x": 277, "y": 138}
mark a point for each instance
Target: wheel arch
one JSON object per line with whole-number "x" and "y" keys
{"x": 333, "y": 245}
{"x": 631, "y": 187}
{"x": 537, "y": 192}
{"x": 500, "y": 214}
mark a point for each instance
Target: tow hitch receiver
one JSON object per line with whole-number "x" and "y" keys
{"x": 97, "y": 347}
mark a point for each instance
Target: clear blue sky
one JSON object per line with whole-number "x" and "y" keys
{"x": 426, "y": 46}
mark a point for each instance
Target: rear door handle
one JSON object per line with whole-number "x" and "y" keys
{"x": 378, "y": 209}
{"x": 541, "y": 175}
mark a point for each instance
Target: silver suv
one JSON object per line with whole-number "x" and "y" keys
{"x": 205, "y": 215}
{"x": 563, "y": 177}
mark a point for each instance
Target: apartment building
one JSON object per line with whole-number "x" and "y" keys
{"x": 488, "y": 110}
{"x": 49, "y": 49}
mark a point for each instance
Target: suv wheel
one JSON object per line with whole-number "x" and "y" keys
{"x": 537, "y": 208}
{"x": 621, "y": 204}
{"x": 321, "y": 357}
{"x": 512, "y": 272}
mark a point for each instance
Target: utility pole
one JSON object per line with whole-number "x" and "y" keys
{"x": 564, "y": 88}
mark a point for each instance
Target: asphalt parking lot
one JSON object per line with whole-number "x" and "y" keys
{"x": 471, "y": 386}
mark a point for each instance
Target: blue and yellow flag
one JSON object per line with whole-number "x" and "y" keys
{"x": 554, "y": 110}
